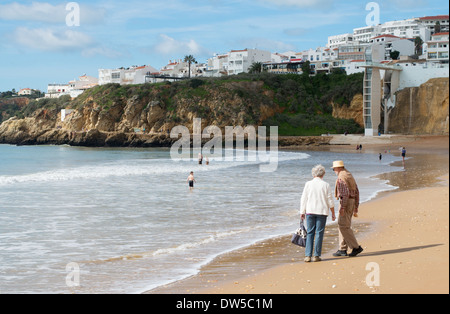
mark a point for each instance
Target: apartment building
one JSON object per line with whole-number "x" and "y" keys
{"x": 217, "y": 65}
{"x": 422, "y": 27}
{"x": 386, "y": 44}
{"x": 128, "y": 76}
{"x": 235, "y": 62}
{"x": 239, "y": 61}
{"x": 430, "y": 23}
{"x": 437, "y": 48}
{"x": 286, "y": 66}
{"x": 340, "y": 40}
{"x": 74, "y": 88}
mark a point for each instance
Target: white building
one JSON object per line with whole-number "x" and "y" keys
{"x": 73, "y": 88}
{"x": 283, "y": 57}
{"x": 180, "y": 69}
{"x": 430, "y": 23}
{"x": 122, "y": 76}
{"x": 437, "y": 48}
{"x": 25, "y": 92}
{"x": 236, "y": 61}
{"x": 340, "y": 40}
{"x": 217, "y": 65}
{"x": 410, "y": 28}
{"x": 364, "y": 34}
{"x": 386, "y": 44}
{"x": 354, "y": 66}
{"x": 56, "y": 90}
{"x": 286, "y": 66}
{"x": 239, "y": 61}
{"x": 77, "y": 87}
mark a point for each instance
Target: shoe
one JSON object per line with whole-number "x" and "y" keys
{"x": 316, "y": 259}
{"x": 340, "y": 253}
{"x": 307, "y": 259}
{"x": 356, "y": 251}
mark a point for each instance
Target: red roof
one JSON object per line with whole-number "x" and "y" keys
{"x": 437, "y": 17}
{"x": 441, "y": 34}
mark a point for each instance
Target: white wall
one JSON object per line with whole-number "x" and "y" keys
{"x": 416, "y": 74}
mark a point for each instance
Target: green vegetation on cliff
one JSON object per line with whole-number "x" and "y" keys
{"x": 297, "y": 104}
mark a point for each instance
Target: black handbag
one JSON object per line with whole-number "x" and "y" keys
{"x": 299, "y": 237}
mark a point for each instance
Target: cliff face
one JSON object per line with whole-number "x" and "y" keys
{"x": 166, "y": 107}
{"x": 422, "y": 110}
{"x": 9, "y": 105}
{"x": 142, "y": 115}
{"x": 353, "y": 111}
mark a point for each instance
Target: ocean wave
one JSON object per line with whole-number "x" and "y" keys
{"x": 138, "y": 168}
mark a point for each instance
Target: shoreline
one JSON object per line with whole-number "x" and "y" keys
{"x": 238, "y": 270}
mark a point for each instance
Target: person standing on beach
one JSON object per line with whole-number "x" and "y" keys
{"x": 403, "y": 153}
{"x": 316, "y": 202}
{"x": 347, "y": 192}
{"x": 200, "y": 158}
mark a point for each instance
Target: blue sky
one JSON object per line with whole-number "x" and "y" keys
{"x": 37, "y": 46}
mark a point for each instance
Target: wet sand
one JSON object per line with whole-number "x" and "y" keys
{"x": 404, "y": 232}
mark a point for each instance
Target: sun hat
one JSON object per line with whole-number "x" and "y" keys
{"x": 338, "y": 164}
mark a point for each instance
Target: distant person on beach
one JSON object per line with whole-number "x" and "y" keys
{"x": 380, "y": 157}
{"x": 200, "y": 158}
{"x": 206, "y": 160}
{"x": 403, "y": 153}
{"x": 316, "y": 202}
{"x": 191, "y": 180}
{"x": 347, "y": 192}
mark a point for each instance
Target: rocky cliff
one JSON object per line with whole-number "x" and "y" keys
{"x": 143, "y": 115}
{"x": 422, "y": 110}
{"x": 353, "y": 111}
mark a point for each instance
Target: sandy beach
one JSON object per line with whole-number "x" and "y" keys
{"x": 404, "y": 233}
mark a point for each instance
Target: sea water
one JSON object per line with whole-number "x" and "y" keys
{"x": 110, "y": 220}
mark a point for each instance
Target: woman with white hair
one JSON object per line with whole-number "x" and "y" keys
{"x": 316, "y": 202}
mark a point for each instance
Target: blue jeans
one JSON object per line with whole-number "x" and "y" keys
{"x": 315, "y": 225}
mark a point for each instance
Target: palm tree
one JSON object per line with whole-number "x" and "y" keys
{"x": 418, "y": 42}
{"x": 190, "y": 59}
{"x": 256, "y": 67}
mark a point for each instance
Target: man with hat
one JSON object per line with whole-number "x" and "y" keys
{"x": 346, "y": 191}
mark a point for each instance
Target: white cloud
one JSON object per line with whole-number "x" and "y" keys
{"x": 169, "y": 46}
{"x": 37, "y": 11}
{"x": 45, "y": 39}
{"x": 48, "y": 13}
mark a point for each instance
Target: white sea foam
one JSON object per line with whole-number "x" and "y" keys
{"x": 140, "y": 168}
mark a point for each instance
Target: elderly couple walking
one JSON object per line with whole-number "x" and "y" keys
{"x": 317, "y": 201}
